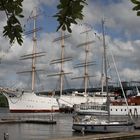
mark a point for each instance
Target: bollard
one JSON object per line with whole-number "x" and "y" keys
{"x": 6, "y": 136}
{"x": 83, "y": 131}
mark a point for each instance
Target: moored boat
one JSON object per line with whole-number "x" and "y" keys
{"x": 91, "y": 124}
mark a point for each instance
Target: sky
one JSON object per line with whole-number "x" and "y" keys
{"x": 122, "y": 34}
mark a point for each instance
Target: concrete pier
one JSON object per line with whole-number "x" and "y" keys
{"x": 28, "y": 118}
{"x": 108, "y": 136}
{"x": 36, "y": 121}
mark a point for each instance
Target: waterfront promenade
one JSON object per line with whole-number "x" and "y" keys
{"x": 108, "y": 136}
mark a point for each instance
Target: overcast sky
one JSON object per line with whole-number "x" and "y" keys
{"x": 122, "y": 37}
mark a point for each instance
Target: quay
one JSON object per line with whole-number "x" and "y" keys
{"x": 35, "y": 121}
{"x": 106, "y": 136}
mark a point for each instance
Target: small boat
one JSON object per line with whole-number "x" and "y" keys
{"x": 91, "y": 124}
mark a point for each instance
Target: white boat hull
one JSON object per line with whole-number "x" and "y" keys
{"x": 30, "y": 102}
{"x": 104, "y": 128}
{"x": 70, "y": 100}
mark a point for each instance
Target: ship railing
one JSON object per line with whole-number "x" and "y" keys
{"x": 91, "y": 106}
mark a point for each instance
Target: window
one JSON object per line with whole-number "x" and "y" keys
{"x": 92, "y": 127}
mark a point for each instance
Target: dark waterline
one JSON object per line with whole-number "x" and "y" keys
{"x": 25, "y": 131}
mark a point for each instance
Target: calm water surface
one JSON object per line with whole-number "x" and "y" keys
{"x": 28, "y": 131}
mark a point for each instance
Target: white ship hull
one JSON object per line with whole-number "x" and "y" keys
{"x": 70, "y": 100}
{"x": 30, "y": 102}
{"x": 123, "y": 110}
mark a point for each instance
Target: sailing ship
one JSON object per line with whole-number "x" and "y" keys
{"x": 69, "y": 100}
{"x": 91, "y": 123}
{"x": 86, "y": 76}
{"x": 29, "y": 101}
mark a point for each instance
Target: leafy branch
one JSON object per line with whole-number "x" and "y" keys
{"x": 13, "y": 10}
{"x": 137, "y": 6}
{"x": 69, "y": 12}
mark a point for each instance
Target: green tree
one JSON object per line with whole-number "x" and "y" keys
{"x": 68, "y": 13}
{"x": 137, "y": 6}
{"x": 3, "y": 101}
{"x": 13, "y": 11}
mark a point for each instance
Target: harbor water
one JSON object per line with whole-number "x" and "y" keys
{"x": 32, "y": 131}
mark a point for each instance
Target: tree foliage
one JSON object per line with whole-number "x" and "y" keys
{"x": 69, "y": 12}
{"x": 13, "y": 11}
{"x": 137, "y": 6}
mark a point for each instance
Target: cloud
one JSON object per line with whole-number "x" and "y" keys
{"x": 118, "y": 15}
{"x": 130, "y": 74}
{"x": 121, "y": 25}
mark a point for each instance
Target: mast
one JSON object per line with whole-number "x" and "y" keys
{"x": 86, "y": 67}
{"x": 34, "y": 54}
{"x": 34, "y": 51}
{"x": 105, "y": 68}
{"x": 102, "y": 76}
{"x": 86, "y": 63}
{"x": 61, "y": 60}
